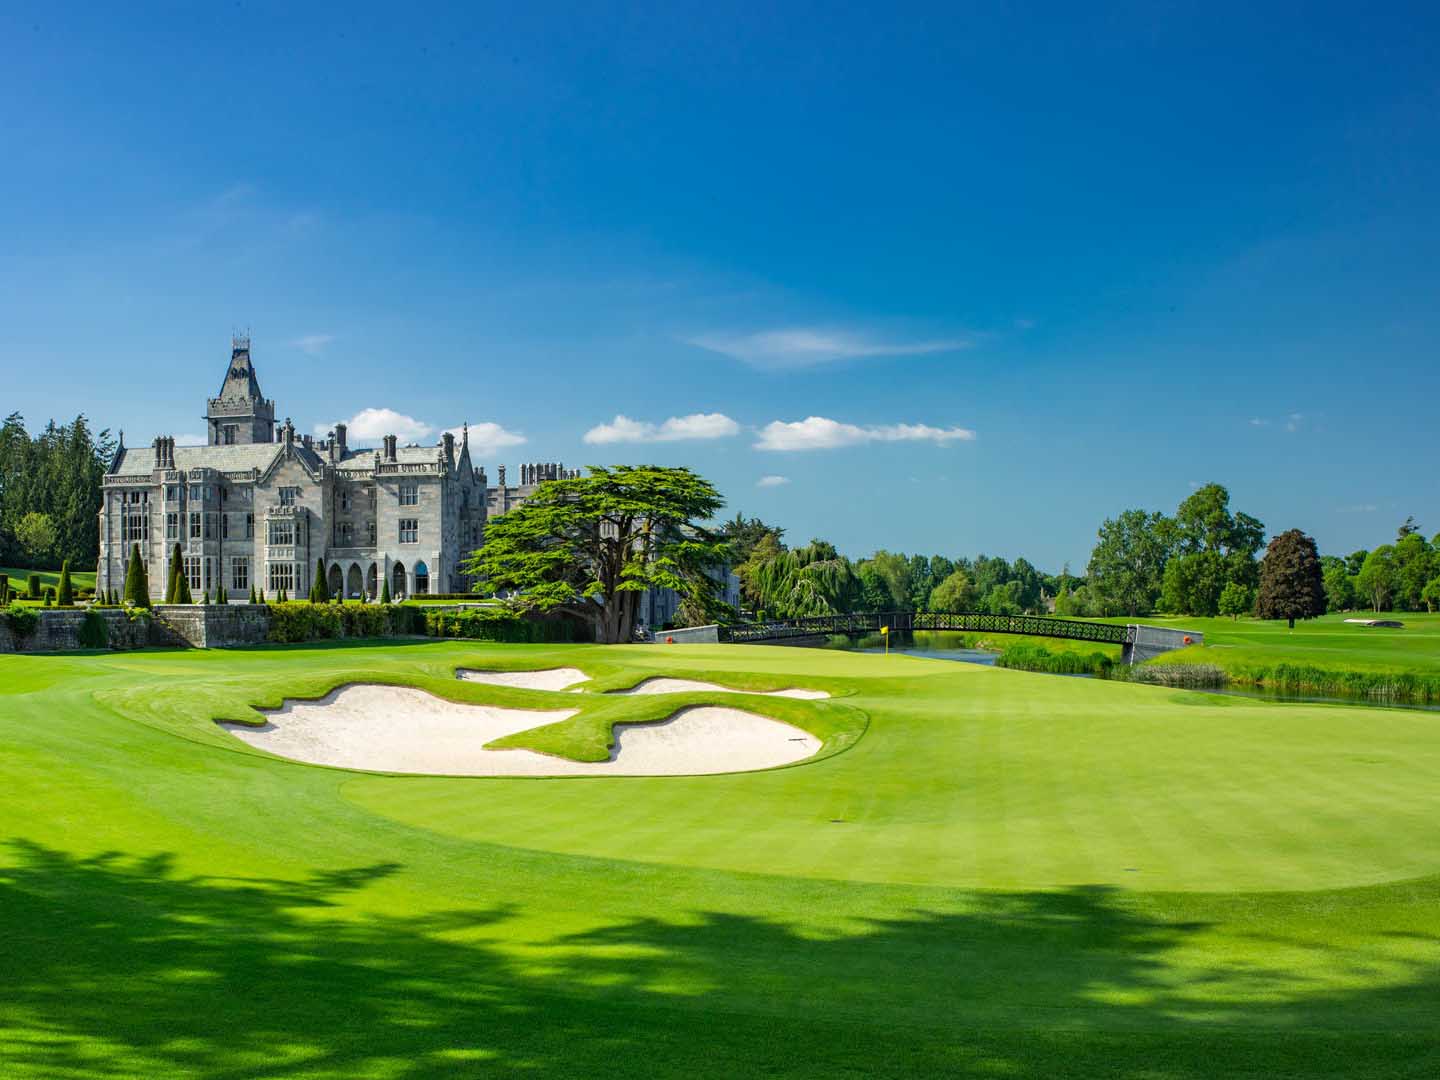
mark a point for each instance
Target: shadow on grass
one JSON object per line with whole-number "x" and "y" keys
{"x": 116, "y": 966}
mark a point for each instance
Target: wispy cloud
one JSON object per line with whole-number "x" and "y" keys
{"x": 1293, "y": 421}
{"x": 1256, "y": 421}
{"x": 371, "y": 425}
{"x": 802, "y": 346}
{"x": 695, "y": 426}
{"x": 822, "y": 433}
{"x": 314, "y": 344}
{"x": 486, "y": 437}
{"x": 772, "y": 481}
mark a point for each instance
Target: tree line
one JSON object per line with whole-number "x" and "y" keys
{"x": 50, "y": 493}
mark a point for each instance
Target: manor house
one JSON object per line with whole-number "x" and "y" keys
{"x": 259, "y": 505}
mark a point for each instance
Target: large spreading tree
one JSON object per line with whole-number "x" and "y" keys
{"x": 591, "y": 545}
{"x": 1292, "y": 584}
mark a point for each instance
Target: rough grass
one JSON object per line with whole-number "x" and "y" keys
{"x": 1007, "y": 875}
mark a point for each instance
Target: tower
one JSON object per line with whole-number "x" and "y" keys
{"x": 240, "y": 414}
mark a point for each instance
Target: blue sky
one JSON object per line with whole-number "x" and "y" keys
{"x": 910, "y": 277}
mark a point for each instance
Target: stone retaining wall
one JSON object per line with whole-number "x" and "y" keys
{"x": 211, "y": 626}
{"x": 58, "y": 630}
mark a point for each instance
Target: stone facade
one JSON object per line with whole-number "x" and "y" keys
{"x": 58, "y": 630}
{"x": 260, "y": 505}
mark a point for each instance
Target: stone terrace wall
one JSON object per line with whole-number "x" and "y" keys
{"x": 58, "y": 630}
{"x": 210, "y": 626}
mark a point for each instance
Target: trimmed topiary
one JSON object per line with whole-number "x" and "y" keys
{"x": 137, "y": 584}
{"x": 66, "y": 596}
{"x": 385, "y": 592}
{"x": 177, "y": 571}
{"x": 32, "y": 586}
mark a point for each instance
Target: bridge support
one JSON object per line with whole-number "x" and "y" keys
{"x": 1147, "y": 642}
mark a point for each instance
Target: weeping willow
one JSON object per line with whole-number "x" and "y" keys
{"x": 810, "y": 580}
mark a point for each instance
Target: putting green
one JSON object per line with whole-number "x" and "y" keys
{"x": 992, "y": 873}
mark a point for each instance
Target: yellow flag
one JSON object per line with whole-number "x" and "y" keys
{"x": 884, "y": 629}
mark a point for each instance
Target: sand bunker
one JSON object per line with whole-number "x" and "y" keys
{"x": 398, "y": 729}
{"x": 663, "y": 685}
{"x": 555, "y": 678}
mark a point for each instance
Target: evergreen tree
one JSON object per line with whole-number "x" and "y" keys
{"x": 182, "y": 590}
{"x": 67, "y": 591}
{"x": 319, "y": 590}
{"x": 137, "y": 585}
{"x": 172, "y": 582}
{"x": 385, "y": 591}
{"x": 252, "y": 594}
{"x": 1292, "y": 585}
{"x": 221, "y": 596}
{"x": 32, "y": 586}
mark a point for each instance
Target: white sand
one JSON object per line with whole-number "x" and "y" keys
{"x": 555, "y": 678}
{"x": 663, "y": 685}
{"x": 398, "y": 729}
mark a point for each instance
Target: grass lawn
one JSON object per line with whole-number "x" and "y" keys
{"x": 18, "y": 578}
{"x": 993, "y": 874}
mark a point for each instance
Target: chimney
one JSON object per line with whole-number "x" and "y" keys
{"x": 449, "y": 441}
{"x": 389, "y": 447}
{"x": 501, "y": 472}
{"x": 309, "y": 441}
{"x": 159, "y": 445}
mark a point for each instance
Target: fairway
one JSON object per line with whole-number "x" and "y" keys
{"x": 982, "y": 872}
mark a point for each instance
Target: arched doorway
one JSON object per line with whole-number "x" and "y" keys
{"x": 397, "y": 582}
{"x": 372, "y": 588}
{"x": 422, "y": 579}
{"x": 335, "y": 580}
{"x": 353, "y": 583}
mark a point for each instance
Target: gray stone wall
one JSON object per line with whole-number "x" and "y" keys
{"x": 211, "y": 627}
{"x": 58, "y": 630}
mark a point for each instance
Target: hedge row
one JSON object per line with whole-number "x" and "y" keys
{"x": 299, "y": 620}
{"x": 488, "y": 624}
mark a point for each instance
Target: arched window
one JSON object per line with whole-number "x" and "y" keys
{"x": 397, "y": 582}
{"x": 422, "y": 579}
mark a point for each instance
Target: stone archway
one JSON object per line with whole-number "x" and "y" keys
{"x": 397, "y": 582}
{"x": 422, "y": 578}
{"x": 372, "y": 582}
{"x": 354, "y": 586}
{"x": 335, "y": 580}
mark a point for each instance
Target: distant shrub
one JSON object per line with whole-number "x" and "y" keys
{"x": 32, "y": 586}
{"x": 94, "y": 631}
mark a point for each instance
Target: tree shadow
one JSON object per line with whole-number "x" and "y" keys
{"x": 122, "y": 966}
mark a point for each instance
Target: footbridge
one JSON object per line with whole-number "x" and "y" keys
{"x": 1137, "y": 642}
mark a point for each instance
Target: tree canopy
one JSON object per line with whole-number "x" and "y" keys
{"x": 589, "y": 546}
{"x": 1292, "y": 585}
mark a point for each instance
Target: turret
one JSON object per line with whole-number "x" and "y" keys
{"x": 240, "y": 413}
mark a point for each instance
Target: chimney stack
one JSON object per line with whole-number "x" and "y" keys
{"x": 449, "y": 441}
{"x": 390, "y": 448}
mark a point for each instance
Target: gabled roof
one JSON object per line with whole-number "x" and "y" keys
{"x": 140, "y": 460}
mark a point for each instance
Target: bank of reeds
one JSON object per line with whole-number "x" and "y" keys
{"x": 1024, "y": 656}
{"x": 1307, "y": 680}
{"x": 1185, "y": 676}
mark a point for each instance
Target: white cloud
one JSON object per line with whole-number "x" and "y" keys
{"x": 695, "y": 426}
{"x": 313, "y": 344}
{"x": 805, "y": 346}
{"x": 371, "y": 425}
{"x": 1256, "y": 421}
{"x": 487, "y": 437}
{"x": 822, "y": 433}
{"x": 772, "y": 481}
